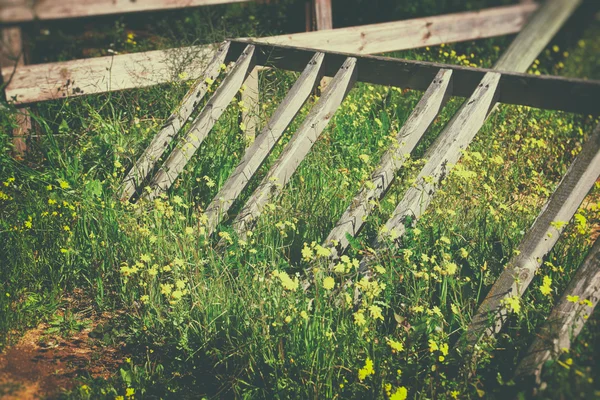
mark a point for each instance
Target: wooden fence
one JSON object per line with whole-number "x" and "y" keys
{"x": 483, "y": 88}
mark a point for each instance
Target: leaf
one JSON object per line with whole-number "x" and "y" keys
{"x": 93, "y": 188}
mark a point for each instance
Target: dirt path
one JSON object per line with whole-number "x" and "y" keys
{"x": 43, "y": 366}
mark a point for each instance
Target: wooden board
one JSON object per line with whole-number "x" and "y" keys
{"x": 42, "y": 82}
{"x": 538, "y": 241}
{"x": 34, "y": 83}
{"x": 172, "y": 126}
{"x": 14, "y": 11}
{"x": 414, "y": 33}
{"x": 567, "y": 317}
{"x": 576, "y": 95}
{"x": 407, "y": 138}
{"x": 299, "y": 146}
{"x": 258, "y": 151}
{"x": 202, "y": 125}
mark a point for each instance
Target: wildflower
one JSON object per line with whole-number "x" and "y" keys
{"x": 396, "y": 346}
{"x": 180, "y": 284}
{"x": 359, "y": 318}
{"x": 375, "y": 312}
{"x": 288, "y": 319}
{"x": 129, "y": 392}
{"x": 307, "y": 253}
{"x": 189, "y": 230}
{"x": 303, "y": 314}
{"x": 322, "y": 251}
{"x": 177, "y": 295}
{"x": 287, "y": 282}
{"x": 572, "y": 299}
{"x": 400, "y": 394}
{"x": 546, "y": 287}
{"x": 145, "y": 299}
{"x": 433, "y": 346}
{"x": 367, "y": 370}
{"x": 166, "y": 288}
{"x": 463, "y": 253}
{"x": 209, "y": 182}
{"x": 145, "y": 258}
{"x": 451, "y": 268}
{"x": 328, "y": 283}
{"x": 64, "y": 184}
{"x": 364, "y": 158}
{"x": 513, "y": 304}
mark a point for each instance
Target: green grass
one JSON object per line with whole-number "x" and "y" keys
{"x": 203, "y": 321}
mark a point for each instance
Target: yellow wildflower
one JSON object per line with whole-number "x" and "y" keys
{"x": 328, "y": 283}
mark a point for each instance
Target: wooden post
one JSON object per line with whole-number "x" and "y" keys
{"x": 567, "y": 317}
{"x": 258, "y": 151}
{"x": 299, "y": 146}
{"x": 323, "y": 21}
{"x": 174, "y": 123}
{"x": 250, "y": 117}
{"x": 11, "y": 56}
{"x": 323, "y": 14}
{"x": 202, "y": 125}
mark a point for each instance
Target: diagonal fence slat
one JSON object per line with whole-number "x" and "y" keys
{"x": 259, "y": 150}
{"x": 460, "y": 131}
{"x": 299, "y": 145}
{"x": 539, "y": 240}
{"x": 202, "y": 125}
{"x": 171, "y": 127}
{"x": 567, "y": 318}
{"x": 428, "y": 108}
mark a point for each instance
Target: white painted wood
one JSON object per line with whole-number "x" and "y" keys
{"x": 428, "y": 108}
{"x": 299, "y": 146}
{"x": 258, "y": 151}
{"x": 144, "y": 165}
{"x": 567, "y": 317}
{"x": 42, "y": 82}
{"x": 538, "y": 241}
{"x": 202, "y": 125}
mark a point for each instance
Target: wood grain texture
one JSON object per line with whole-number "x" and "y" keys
{"x": 353, "y": 219}
{"x": 323, "y": 14}
{"x": 413, "y": 33}
{"x": 538, "y": 241}
{"x": 172, "y": 126}
{"x": 42, "y": 82}
{"x": 298, "y": 147}
{"x": 260, "y": 149}
{"x": 202, "y": 125}
{"x": 567, "y": 317}
{"x": 15, "y": 11}
{"x": 11, "y": 57}
{"x": 34, "y": 83}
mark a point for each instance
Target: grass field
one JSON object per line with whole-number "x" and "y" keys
{"x": 190, "y": 320}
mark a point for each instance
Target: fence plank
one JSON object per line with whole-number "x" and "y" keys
{"x": 460, "y": 131}
{"x": 172, "y": 126}
{"x": 538, "y": 241}
{"x": 15, "y": 11}
{"x": 250, "y": 99}
{"x": 407, "y": 138}
{"x": 299, "y": 145}
{"x": 202, "y": 125}
{"x": 258, "y": 151}
{"x": 11, "y": 56}
{"x": 42, "y": 82}
{"x": 567, "y": 318}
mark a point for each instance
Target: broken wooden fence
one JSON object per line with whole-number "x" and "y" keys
{"x": 484, "y": 88}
